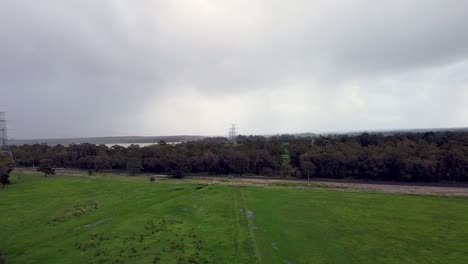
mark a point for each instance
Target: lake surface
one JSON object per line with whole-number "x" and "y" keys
{"x": 126, "y": 145}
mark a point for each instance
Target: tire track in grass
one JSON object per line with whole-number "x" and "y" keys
{"x": 236, "y": 236}
{"x": 241, "y": 240}
{"x": 250, "y": 224}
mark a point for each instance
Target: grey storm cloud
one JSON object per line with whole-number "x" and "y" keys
{"x": 99, "y": 68}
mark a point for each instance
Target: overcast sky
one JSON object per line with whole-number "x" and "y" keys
{"x": 109, "y": 68}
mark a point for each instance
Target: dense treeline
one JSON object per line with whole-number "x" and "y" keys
{"x": 431, "y": 157}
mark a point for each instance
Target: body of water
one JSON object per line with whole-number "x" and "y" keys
{"x": 126, "y": 145}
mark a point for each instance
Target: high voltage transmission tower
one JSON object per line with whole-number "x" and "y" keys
{"x": 233, "y": 133}
{"x": 4, "y": 146}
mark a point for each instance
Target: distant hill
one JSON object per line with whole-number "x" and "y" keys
{"x": 415, "y": 130}
{"x": 385, "y": 132}
{"x": 106, "y": 140}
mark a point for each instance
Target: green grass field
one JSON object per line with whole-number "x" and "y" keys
{"x": 117, "y": 219}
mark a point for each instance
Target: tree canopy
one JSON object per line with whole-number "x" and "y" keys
{"x": 424, "y": 157}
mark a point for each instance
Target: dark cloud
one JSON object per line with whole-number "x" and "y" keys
{"x": 95, "y": 68}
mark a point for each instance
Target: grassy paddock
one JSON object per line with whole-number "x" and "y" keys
{"x": 119, "y": 219}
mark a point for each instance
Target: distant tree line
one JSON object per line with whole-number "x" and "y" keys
{"x": 422, "y": 157}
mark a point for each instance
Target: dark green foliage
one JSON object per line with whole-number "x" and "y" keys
{"x": 177, "y": 165}
{"x": 4, "y": 179}
{"x": 134, "y": 165}
{"x": 239, "y": 162}
{"x": 423, "y": 157}
{"x": 307, "y": 165}
{"x": 430, "y": 157}
{"x": 6, "y": 166}
{"x": 45, "y": 166}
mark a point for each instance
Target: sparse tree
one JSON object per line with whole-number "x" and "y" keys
{"x": 45, "y": 166}
{"x": 307, "y": 166}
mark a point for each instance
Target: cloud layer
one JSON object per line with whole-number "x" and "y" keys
{"x": 100, "y": 68}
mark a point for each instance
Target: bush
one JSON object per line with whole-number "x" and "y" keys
{"x": 45, "y": 167}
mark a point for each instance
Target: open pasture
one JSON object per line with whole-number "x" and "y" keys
{"x": 118, "y": 219}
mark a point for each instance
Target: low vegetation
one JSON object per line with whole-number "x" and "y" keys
{"x": 119, "y": 219}
{"x": 75, "y": 211}
{"x": 46, "y": 167}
